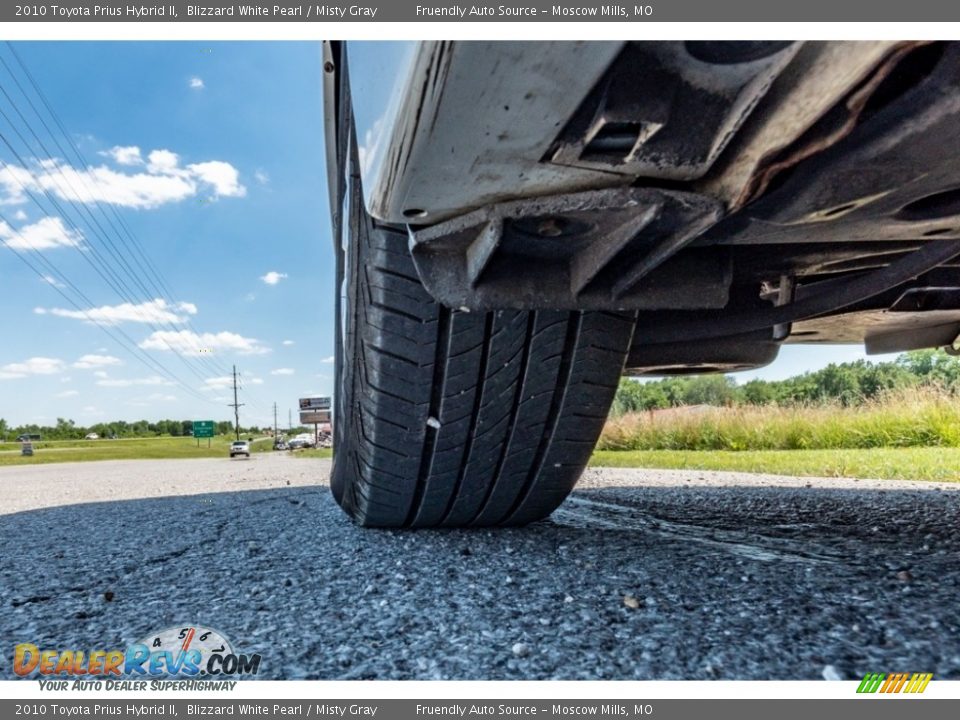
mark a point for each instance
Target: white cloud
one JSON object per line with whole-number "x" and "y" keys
{"x": 128, "y": 155}
{"x": 218, "y": 382}
{"x": 256, "y": 381}
{"x": 160, "y": 397}
{"x": 273, "y": 277}
{"x": 328, "y": 360}
{"x": 46, "y": 233}
{"x": 129, "y": 382}
{"x": 282, "y": 371}
{"x": 31, "y": 366}
{"x": 221, "y": 175}
{"x": 50, "y": 280}
{"x": 191, "y": 343}
{"x": 100, "y": 373}
{"x": 261, "y": 177}
{"x": 87, "y": 362}
{"x": 288, "y": 342}
{"x": 196, "y": 83}
{"x": 20, "y": 215}
{"x": 66, "y": 394}
{"x": 153, "y": 311}
{"x": 162, "y": 180}
{"x": 163, "y": 161}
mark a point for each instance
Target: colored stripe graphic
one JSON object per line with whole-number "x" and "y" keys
{"x": 894, "y": 683}
{"x": 922, "y": 682}
{"x": 871, "y": 682}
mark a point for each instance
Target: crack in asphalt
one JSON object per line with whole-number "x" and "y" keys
{"x": 637, "y": 576}
{"x": 583, "y": 512}
{"x": 132, "y": 569}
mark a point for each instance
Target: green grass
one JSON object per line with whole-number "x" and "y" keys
{"x": 126, "y": 449}
{"x": 909, "y": 418}
{"x": 932, "y": 463}
{"x": 314, "y": 453}
{"x": 907, "y": 463}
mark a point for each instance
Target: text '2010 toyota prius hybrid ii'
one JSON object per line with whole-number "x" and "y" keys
{"x": 519, "y": 224}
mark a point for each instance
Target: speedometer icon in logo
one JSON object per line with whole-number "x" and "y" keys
{"x": 198, "y": 643}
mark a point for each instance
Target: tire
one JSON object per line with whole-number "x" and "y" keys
{"x": 453, "y": 418}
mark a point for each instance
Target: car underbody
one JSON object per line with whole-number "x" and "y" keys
{"x": 717, "y": 188}
{"x": 518, "y": 225}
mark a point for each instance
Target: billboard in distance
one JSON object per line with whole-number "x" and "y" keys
{"x": 311, "y": 417}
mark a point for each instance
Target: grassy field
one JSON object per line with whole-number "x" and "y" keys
{"x": 910, "y": 418}
{"x": 314, "y": 453}
{"x": 934, "y": 463}
{"x": 126, "y": 449}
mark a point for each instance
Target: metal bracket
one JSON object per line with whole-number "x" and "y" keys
{"x": 608, "y": 249}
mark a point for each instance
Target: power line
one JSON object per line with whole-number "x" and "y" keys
{"x": 75, "y": 148}
{"x": 127, "y": 265}
{"x": 94, "y": 252}
{"x": 157, "y": 282}
{"x": 103, "y": 265}
{"x": 127, "y": 342}
{"x": 236, "y": 405}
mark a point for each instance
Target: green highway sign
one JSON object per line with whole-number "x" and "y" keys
{"x": 203, "y": 428}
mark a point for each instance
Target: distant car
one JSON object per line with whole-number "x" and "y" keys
{"x": 240, "y": 447}
{"x": 91, "y": 436}
{"x": 28, "y": 437}
{"x": 296, "y": 444}
{"x": 280, "y": 445}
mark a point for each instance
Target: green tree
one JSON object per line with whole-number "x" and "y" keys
{"x": 711, "y": 390}
{"x": 759, "y": 392}
{"x": 932, "y": 366}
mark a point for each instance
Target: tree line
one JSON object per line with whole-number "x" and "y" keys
{"x": 846, "y": 383}
{"x": 68, "y": 430}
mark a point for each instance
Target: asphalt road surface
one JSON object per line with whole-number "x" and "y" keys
{"x": 640, "y": 575}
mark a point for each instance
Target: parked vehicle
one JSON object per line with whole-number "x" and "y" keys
{"x": 519, "y": 224}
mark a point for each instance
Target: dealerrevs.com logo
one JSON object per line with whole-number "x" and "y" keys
{"x": 177, "y": 652}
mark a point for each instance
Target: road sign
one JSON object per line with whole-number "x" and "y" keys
{"x": 311, "y": 417}
{"x": 203, "y": 428}
{"x": 315, "y": 403}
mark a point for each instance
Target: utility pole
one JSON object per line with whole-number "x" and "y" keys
{"x": 274, "y": 422}
{"x": 236, "y": 406}
{"x": 290, "y": 419}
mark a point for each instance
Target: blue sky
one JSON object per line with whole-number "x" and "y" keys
{"x": 213, "y": 155}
